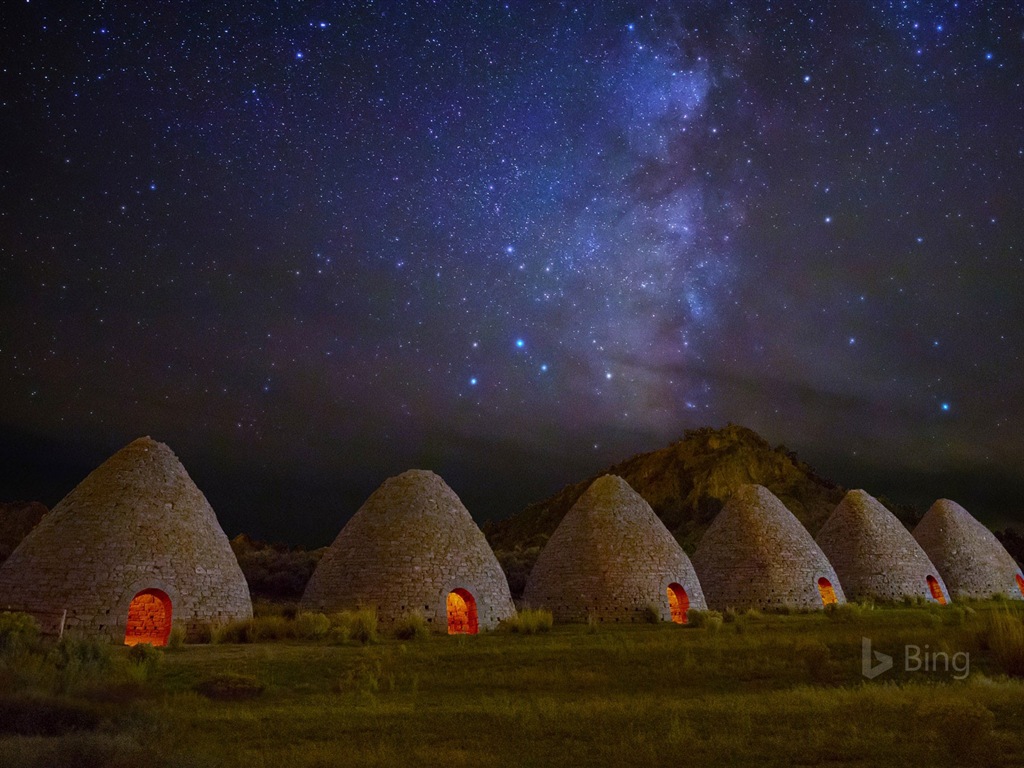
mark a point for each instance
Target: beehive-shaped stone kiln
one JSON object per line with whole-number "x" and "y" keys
{"x": 756, "y": 554}
{"x": 413, "y": 548}
{"x": 968, "y": 555}
{"x": 610, "y": 559}
{"x": 874, "y": 556}
{"x": 132, "y": 548}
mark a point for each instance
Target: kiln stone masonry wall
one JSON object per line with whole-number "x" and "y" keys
{"x": 873, "y": 554}
{"x": 136, "y": 522}
{"x": 968, "y": 555}
{"x": 756, "y": 554}
{"x": 610, "y": 558}
{"x": 409, "y": 545}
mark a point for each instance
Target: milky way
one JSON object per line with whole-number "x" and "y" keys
{"x": 312, "y": 246}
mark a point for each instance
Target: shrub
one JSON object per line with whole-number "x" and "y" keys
{"x": 18, "y": 631}
{"x": 730, "y": 616}
{"x": 311, "y": 626}
{"x": 412, "y": 626}
{"x": 238, "y": 631}
{"x": 592, "y": 624}
{"x": 145, "y": 659}
{"x": 652, "y": 614}
{"x": 230, "y": 687}
{"x": 530, "y": 621}
{"x": 79, "y": 660}
{"x": 359, "y": 626}
{"x": 177, "y": 637}
{"x": 710, "y": 620}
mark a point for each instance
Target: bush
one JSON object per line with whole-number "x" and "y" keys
{"x": 238, "y": 631}
{"x": 529, "y": 621}
{"x": 80, "y": 660}
{"x": 230, "y": 687}
{"x": 817, "y": 657}
{"x": 412, "y": 626}
{"x": 730, "y": 616}
{"x": 18, "y": 631}
{"x": 144, "y": 658}
{"x": 311, "y": 626}
{"x": 177, "y": 637}
{"x": 651, "y": 614}
{"x": 710, "y": 620}
{"x": 359, "y": 626}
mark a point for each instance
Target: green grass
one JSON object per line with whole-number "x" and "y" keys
{"x": 775, "y": 690}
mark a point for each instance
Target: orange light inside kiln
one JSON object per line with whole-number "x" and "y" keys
{"x": 1020, "y": 583}
{"x": 828, "y": 592}
{"x": 678, "y": 602}
{"x": 936, "y": 589}
{"x": 462, "y": 619}
{"x": 149, "y": 618}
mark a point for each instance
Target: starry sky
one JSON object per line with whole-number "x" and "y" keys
{"x": 310, "y": 245}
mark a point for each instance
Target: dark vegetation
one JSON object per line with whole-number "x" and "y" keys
{"x": 275, "y": 571}
{"x": 729, "y": 689}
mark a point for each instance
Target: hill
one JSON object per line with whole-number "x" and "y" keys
{"x": 686, "y": 484}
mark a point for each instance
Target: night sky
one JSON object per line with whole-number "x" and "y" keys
{"x": 311, "y": 245}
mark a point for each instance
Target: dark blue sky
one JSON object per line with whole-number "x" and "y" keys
{"x": 310, "y": 245}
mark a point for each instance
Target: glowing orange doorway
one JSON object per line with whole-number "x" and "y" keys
{"x": 462, "y": 613}
{"x": 828, "y": 593}
{"x": 149, "y": 618}
{"x": 678, "y": 602}
{"x": 1020, "y": 583}
{"x": 933, "y": 585}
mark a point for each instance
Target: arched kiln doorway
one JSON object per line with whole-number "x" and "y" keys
{"x": 462, "y": 618}
{"x": 936, "y": 590}
{"x": 678, "y": 602}
{"x": 828, "y": 592}
{"x": 149, "y": 618}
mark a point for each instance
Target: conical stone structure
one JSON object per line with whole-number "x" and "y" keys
{"x": 610, "y": 559}
{"x": 412, "y": 547}
{"x": 874, "y": 556}
{"x": 134, "y": 537}
{"x": 968, "y": 555}
{"x": 756, "y": 554}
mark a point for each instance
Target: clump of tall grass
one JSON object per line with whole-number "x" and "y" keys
{"x": 80, "y": 661}
{"x": 358, "y": 626}
{"x": 259, "y": 629}
{"x": 1003, "y": 634}
{"x": 843, "y": 612}
{"x": 529, "y": 621}
{"x": 311, "y": 626}
{"x": 177, "y": 637}
{"x": 651, "y": 614}
{"x": 18, "y": 632}
{"x": 710, "y": 620}
{"x": 143, "y": 661}
{"x": 412, "y": 626}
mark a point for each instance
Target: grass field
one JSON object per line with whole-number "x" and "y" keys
{"x": 766, "y": 689}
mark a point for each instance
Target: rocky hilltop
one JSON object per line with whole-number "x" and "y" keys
{"x": 687, "y": 484}
{"x": 17, "y": 518}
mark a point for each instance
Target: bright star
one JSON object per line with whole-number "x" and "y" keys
{"x": 945, "y": 406}
{"x": 472, "y": 382}
{"x": 520, "y": 343}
